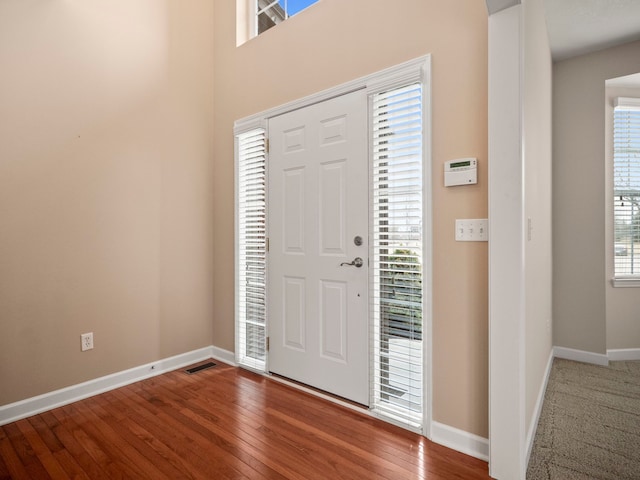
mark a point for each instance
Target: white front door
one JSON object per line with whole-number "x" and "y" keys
{"x": 318, "y": 223}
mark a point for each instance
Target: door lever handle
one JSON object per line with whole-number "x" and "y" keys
{"x": 357, "y": 262}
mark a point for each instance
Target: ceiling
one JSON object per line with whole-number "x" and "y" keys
{"x": 582, "y": 26}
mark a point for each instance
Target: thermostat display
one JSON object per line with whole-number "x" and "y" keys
{"x": 463, "y": 171}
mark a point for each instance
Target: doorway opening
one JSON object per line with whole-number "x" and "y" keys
{"x": 333, "y": 249}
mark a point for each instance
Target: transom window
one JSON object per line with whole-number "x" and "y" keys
{"x": 626, "y": 187}
{"x": 269, "y": 13}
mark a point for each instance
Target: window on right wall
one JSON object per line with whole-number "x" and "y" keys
{"x": 626, "y": 188}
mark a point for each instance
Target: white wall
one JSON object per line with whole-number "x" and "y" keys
{"x": 520, "y": 258}
{"x": 506, "y": 246}
{"x": 537, "y": 84}
{"x": 537, "y": 221}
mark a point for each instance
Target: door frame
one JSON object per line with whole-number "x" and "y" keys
{"x": 416, "y": 70}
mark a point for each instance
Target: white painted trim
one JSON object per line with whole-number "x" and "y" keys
{"x": 612, "y": 355}
{"x": 627, "y": 102}
{"x": 459, "y": 440}
{"x": 620, "y": 354}
{"x": 236, "y": 240}
{"x": 622, "y": 282}
{"x": 416, "y": 70}
{"x": 507, "y": 246}
{"x": 223, "y": 355}
{"x": 533, "y": 424}
{"x": 427, "y": 215}
{"x": 581, "y": 356}
{"x": 41, "y": 403}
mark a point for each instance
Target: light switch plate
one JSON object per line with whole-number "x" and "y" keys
{"x": 472, "y": 230}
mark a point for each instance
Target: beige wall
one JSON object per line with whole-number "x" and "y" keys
{"x": 623, "y": 304}
{"x": 537, "y": 191}
{"x": 113, "y": 212}
{"x": 336, "y": 41}
{"x": 106, "y": 189}
{"x": 579, "y": 226}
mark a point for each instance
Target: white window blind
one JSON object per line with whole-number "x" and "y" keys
{"x": 251, "y": 245}
{"x": 397, "y": 253}
{"x": 626, "y": 187}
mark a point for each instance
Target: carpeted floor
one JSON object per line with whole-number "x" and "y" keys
{"x": 589, "y": 427}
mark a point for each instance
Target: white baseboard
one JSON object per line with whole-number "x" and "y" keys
{"x": 223, "y": 355}
{"x": 459, "y": 440}
{"x": 32, "y": 406}
{"x": 533, "y": 425}
{"x": 581, "y": 356}
{"x": 620, "y": 354}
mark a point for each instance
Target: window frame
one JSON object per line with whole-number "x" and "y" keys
{"x": 620, "y": 280}
{"x": 253, "y": 11}
{"x": 396, "y": 255}
{"x": 256, "y": 130}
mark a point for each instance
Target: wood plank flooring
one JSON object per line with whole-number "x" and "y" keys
{"x": 220, "y": 423}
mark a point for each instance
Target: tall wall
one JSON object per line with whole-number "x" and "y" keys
{"x": 106, "y": 216}
{"x": 336, "y": 41}
{"x": 583, "y": 297}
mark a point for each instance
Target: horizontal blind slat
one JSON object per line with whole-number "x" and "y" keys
{"x": 252, "y": 249}
{"x": 396, "y": 298}
{"x": 626, "y": 190}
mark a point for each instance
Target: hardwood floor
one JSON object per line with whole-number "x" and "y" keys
{"x": 221, "y": 423}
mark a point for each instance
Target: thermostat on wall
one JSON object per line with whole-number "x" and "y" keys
{"x": 463, "y": 171}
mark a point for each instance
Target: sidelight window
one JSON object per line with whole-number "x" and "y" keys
{"x": 251, "y": 249}
{"x": 397, "y": 253}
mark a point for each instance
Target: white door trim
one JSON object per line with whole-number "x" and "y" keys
{"x": 418, "y": 69}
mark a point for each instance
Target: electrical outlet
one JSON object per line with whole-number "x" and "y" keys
{"x": 86, "y": 341}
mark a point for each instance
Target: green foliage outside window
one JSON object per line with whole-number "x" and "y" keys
{"x": 401, "y": 294}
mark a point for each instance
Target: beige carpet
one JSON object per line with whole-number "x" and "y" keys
{"x": 589, "y": 427}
